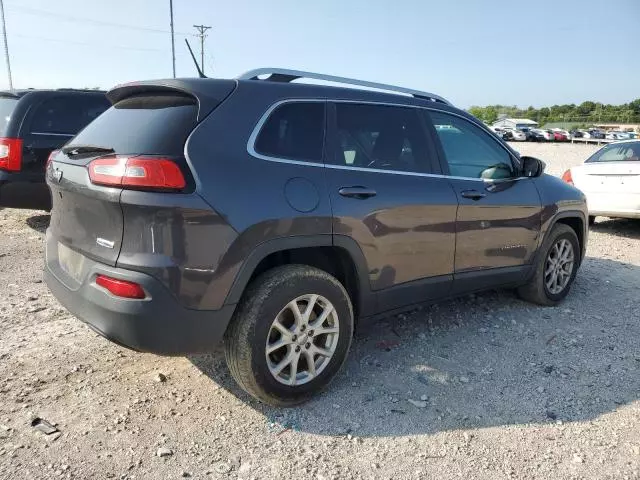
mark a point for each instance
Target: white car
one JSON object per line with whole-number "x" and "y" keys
{"x": 517, "y": 135}
{"x": 617, "y": 135}
{"x": 585, "y": 134}
{"x": 610, "y": 179}
{"x": 545, "y": 133}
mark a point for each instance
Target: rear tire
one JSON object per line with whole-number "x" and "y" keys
{"x": 273, "y": 326}
{"x": 552, "y": 264}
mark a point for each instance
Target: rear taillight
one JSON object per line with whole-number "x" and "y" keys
{"x": 120, "y": 288}
{"x": 137, "y": 172}
{"x": 10, "y": 154}
{"x": 567, "y": 177}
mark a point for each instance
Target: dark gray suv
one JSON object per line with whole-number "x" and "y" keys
{"x": 274, "y": 214}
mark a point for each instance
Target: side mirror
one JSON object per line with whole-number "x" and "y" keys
{"x": 532, "y": 167}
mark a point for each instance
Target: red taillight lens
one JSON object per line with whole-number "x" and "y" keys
{"x": 137, "y": 172}
{"x": 567, "y": 177}
{"x": 10, "y": 154}
{"x": 120, "y": 288}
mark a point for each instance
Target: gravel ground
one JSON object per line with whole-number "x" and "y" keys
{"x": 483, "y": 387}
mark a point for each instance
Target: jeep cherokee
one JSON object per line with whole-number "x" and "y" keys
{"x": 272, "y": 214}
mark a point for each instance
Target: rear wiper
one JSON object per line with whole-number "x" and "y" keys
{"x": 74, "y": 150}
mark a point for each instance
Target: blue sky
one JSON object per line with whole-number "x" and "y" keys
{"x": 471, "y": 52}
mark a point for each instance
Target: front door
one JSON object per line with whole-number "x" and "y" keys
{"x": 498, "y": 220}
{"x": 384, "y": 198}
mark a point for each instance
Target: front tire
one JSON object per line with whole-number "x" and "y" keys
{"x": 290, "y": 334}
{"x": 555, "y": 268}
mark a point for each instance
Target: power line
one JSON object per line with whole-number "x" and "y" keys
{"x": 71, "y": 18}
{"x": 202, "y": 29}
{"x": 6, "y": 45}
{"x": 91, "y": 44}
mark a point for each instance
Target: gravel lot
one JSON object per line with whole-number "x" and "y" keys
{"x": 484, "y": 387}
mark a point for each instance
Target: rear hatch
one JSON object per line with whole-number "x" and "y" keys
{"x": 609, "y": 177}
{"x": 140, "y": 139}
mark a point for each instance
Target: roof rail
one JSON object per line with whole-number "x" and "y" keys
{"x": 286, "y": 76}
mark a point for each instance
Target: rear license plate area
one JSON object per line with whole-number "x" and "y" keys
{"x": 71, "y": 262}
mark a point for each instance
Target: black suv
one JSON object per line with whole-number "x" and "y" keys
{"x": 274, "y": 214}
{"x": 33, "y": 123}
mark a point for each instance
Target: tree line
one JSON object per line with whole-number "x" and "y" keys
{"x": 585, "y": 113}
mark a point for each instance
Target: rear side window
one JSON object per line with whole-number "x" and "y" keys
{"x": 380, "y": 137}
{"x": 293, "y": 131}
{"x": 620, "y": 152}
{"x": 66, "y": 115}
{"x": 143, "y": 124}
{"x": 6, "y": 109}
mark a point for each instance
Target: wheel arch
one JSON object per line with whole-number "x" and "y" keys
{"x": 578, "y": 223}
{"x": 338, "y": 255}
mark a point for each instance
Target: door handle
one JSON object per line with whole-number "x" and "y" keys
{"x": 357, "y": 192}
{"x": 473, "y": 194}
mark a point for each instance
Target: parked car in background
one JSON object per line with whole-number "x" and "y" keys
{"x": 585, "y": 134}
{"x": 576, "y": 134}
{"x": 610, "y": 179}
{"x": 561, "y": 135}
{"x": 271, "y": 214}
{"x": 540, "y": 135}
{"x": 516, "y": 135}
{"x": 618, "y": 135}
{"x": 595, "y": 133}
{"x": 528, "y": 135}
{"x": 33, "y": 123}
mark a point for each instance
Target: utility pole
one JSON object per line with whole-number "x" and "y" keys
{"x": 202, "y": 29}
{"x": 6, "y": 46}
{"x": 173, "y": 40}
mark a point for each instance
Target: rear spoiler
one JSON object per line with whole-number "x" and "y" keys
{"x": 209, "y": 93}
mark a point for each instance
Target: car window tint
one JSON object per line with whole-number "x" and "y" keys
{"x": 154, "y": 123}
{"x": 67, "y": 115}
{"x": 617, "y": 153}
{"x": 6, "y": 110}
{"x": 380, "y": 137}
{"x": 293, "y": 131}
{"x": 469, "y": 150}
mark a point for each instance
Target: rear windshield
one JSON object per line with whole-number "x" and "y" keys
{"x": 617, "y": 152}
{"x": 143, "y": 124}
{"x": 6, "y": 109}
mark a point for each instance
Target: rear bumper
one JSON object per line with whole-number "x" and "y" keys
{"x": 613, "y": 204}
{"x": 157, "y": 324}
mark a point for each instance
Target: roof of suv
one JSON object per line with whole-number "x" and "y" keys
{"x": 207, "y": 90}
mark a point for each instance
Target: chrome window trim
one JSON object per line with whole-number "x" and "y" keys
{"x": 52, "y": 134}
{"x": 251, "y": 143}
{"x": 258, "y": 128}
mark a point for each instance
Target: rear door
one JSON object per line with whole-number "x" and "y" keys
{"x": 385, "y": 197}
{"x": 498, "y": 219}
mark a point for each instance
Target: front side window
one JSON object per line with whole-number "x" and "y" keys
{"x": 380, "y": 137}
{"x": 293, "y": 131}
{"x": 470, "y": 151}
{"x": 621, "y": 152}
